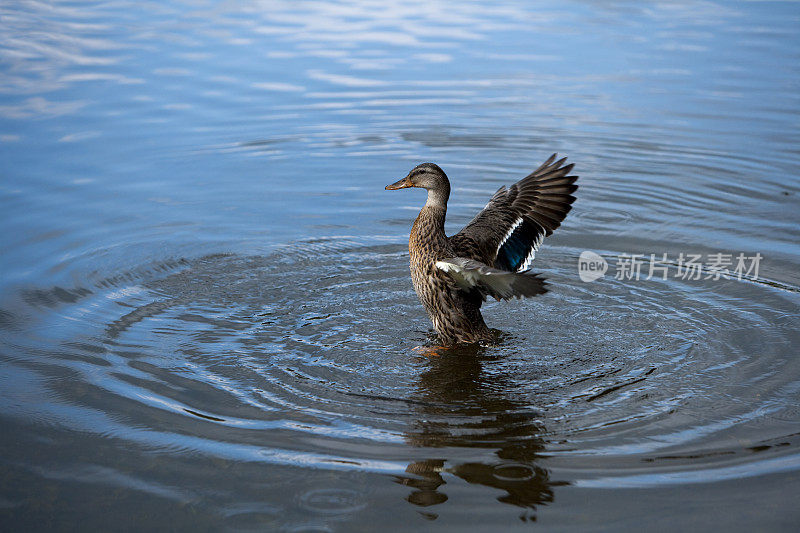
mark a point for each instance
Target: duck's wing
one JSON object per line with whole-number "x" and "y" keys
{"x": 470, "y": 275}
{"x": 507, "y": 232}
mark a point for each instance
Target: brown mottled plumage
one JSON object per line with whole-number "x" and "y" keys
{"x": 490, "y": 256}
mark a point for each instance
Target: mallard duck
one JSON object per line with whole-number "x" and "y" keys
{"x": 453, "y": 276}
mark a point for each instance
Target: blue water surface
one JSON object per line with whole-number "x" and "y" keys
{"x": 206, "y": 316}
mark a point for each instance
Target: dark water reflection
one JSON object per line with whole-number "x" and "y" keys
{"x": 206, "y": 318}
{"x": 462, "y": 407}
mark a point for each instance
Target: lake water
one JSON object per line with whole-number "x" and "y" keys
{"x": 206, "y": 314}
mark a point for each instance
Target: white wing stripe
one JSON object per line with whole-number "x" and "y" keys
{"x": 508, "y": 235}
{"x": 534, "y": 247}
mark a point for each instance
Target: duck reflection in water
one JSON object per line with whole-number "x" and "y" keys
{"x": 460, "y": 406}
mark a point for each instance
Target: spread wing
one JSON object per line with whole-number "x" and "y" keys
{"x": 506, "y": 234}
{"x": 497, "y": 247}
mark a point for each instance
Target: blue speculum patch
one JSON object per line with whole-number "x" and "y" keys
{"x": 512, "y": 254}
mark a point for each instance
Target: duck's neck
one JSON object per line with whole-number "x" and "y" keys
{"x": 438, "y": 198}
{"x": 428, "y": 229}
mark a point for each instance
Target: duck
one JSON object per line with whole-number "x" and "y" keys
{"x": 491, "y": 256}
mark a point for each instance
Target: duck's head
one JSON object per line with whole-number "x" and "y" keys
{"x": 425, "y": 176}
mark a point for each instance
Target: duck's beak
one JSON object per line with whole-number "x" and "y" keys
{"x": 402, "y": 184}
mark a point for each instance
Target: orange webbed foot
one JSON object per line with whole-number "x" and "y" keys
{"x": 430, "y": 351}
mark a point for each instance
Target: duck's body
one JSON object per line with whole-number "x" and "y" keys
{"x": 452, "y": 276}
{"x": 455, "y": 313}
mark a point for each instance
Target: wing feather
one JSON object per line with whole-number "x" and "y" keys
{"x": 499, "y": 284}
{"x": 507, "y": 232}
